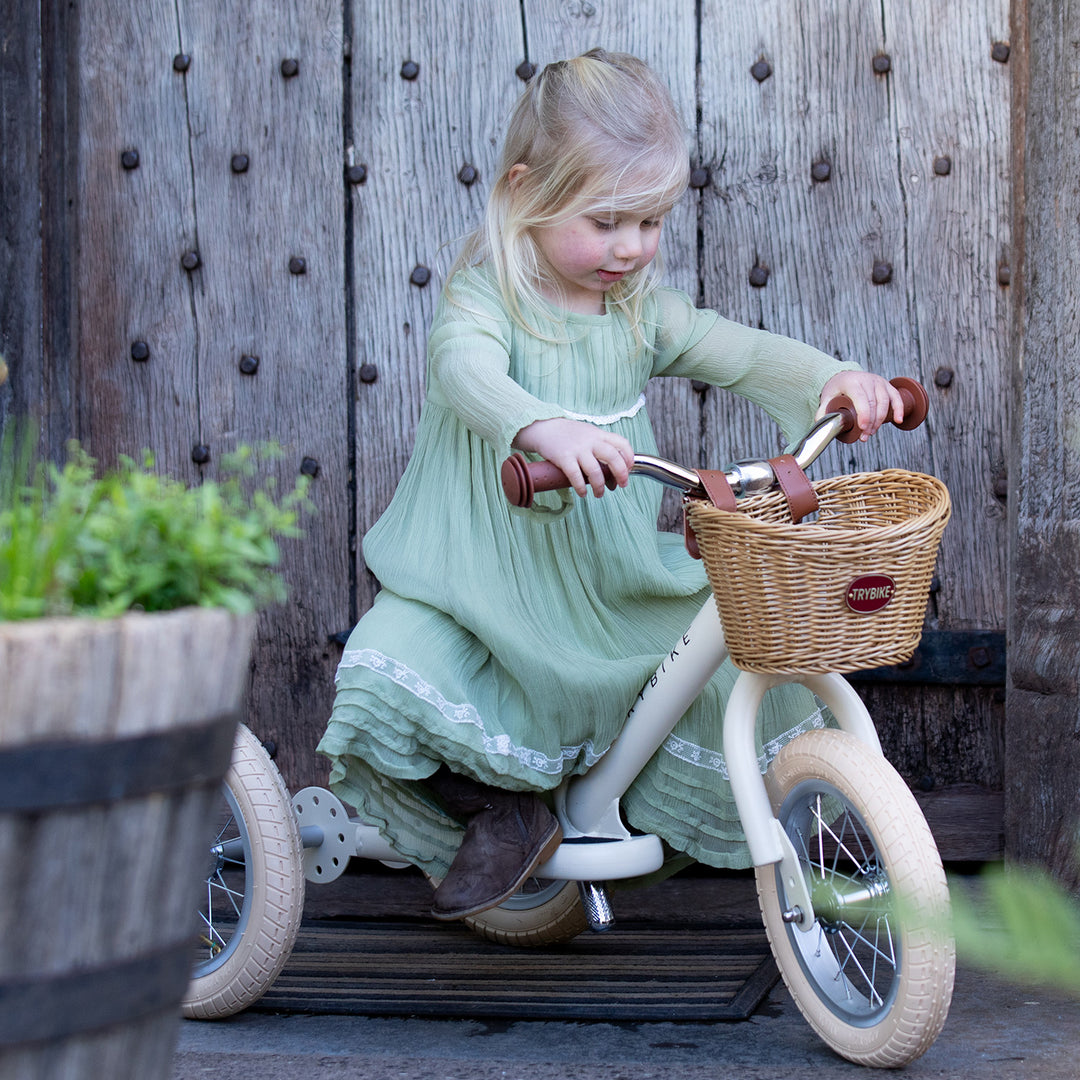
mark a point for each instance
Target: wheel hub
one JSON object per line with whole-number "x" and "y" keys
{"x": 217, "y": 856}
{"x": 839, "y": 899}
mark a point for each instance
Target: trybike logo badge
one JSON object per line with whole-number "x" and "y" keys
{"x": 870, "y": 593}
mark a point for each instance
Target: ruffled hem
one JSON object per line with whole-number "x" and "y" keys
{"x": 407, "y": 732}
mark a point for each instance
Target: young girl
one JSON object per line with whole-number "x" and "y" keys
{"x": 506, "y": 647}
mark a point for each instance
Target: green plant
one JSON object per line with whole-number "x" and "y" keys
{"x": 73, "y": 541}
{"x": 1021, "y": 924}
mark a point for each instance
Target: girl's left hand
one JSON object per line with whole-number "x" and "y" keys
{"x": 875, "y": 399}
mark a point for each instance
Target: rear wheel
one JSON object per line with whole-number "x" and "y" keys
{"x": 873, "y": 976}
{"x": 254, "y": 893}
{"x": 542, "y": 912}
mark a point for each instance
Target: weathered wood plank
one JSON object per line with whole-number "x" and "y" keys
{"x": 925, "y": 747}
{"x": 951, "y": 103}
{"x": 268, "y": 188}
{"x": 20, "y": 249}
{"x": 38, "y": 205}
{"x": 967, "y": 822}
{"x": 1042, "y": 806}
{"x": 819, "y": 235}
{"x": 414, "y": 132}
{"x": 135, "y": 225}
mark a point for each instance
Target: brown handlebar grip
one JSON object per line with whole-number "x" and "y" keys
{"x": 842, "y": 405}
{"x": 916, "y": 406}
{"x": 916, "y": 402}
{"x": 522, "y": 479}
{"x": 516, "y": 483}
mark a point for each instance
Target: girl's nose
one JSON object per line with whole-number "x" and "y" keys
{"x": 627, "y": 243}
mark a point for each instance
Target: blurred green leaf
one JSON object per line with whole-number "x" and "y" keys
{"x": 1022, "y": 924}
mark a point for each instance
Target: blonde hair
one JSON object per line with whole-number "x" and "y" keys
{"x": 597, "y": 133}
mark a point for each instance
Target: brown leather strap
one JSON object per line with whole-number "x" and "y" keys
{"x": 720, "y": 494}
{"x": 717, "y": 488}
{"x": 793, "y": 483}
{"x": 688, "y": 534}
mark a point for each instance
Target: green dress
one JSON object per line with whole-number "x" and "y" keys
{"x": 510, "y": 644}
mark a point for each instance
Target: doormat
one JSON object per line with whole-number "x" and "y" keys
{"x": 636, "y": 971}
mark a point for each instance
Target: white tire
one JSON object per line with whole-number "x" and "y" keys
{"x": 254, "y": 895}
{"x": 874, "y": 975}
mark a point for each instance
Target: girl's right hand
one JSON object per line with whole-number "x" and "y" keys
{"x": 581, "y": 450}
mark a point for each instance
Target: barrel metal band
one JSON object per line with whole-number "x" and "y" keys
{"x": 36, "y": 1009}
{"x": 64, "y": 774}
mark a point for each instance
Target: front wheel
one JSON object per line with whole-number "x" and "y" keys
{"x": 254, "y": 891}
{"x": 874, "y": 974}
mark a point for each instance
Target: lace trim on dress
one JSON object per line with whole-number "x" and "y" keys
{"x": 496, "y": 745}
{"x": 713, "y": 760}
{"x": 601, "y": 421}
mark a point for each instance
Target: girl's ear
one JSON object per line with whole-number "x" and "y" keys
{"x": 515, "y": 174}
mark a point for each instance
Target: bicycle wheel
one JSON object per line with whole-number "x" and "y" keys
{"x": 540, "y": 913}
{"x": 874, "y": 975}
{"x": 254, "y": 889}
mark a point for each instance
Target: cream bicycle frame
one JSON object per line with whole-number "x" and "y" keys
{"x": 590, "y": 807}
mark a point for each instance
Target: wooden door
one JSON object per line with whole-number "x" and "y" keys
{"x": 265, "y": 267}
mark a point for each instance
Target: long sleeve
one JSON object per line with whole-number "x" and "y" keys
{"x": 782, "y": 375}
{"x": 468, "y": 371}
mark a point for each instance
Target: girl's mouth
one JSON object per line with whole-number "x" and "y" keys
{"x": 610, "y": 276}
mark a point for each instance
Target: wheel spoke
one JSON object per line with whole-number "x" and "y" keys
{"x": 868, "y": 977}
{"x": 872, "y": 946}
{"x": 816, "y": 811}
{"x": 226, "y": 885}
{"x": 826, "y": 827}
{"x": 235, "y": 897}
{"x": 855, "y": 949}
{"x": 215, "y": 941}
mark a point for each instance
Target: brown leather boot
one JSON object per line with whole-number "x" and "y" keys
{"x": 508, "y": 835}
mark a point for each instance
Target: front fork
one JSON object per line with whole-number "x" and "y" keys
{"x": 765, "y": 836}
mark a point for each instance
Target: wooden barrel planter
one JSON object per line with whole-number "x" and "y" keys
{"x": 115, "y": 736}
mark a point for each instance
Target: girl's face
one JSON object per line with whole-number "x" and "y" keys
{"x": 591, "y": 252}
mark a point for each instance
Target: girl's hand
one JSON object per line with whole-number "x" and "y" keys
{"x": 875, "y": 399}
{"x": 580, "y": 450}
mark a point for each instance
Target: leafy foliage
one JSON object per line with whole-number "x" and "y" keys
{"x": 1022, "y": 925}
{"x": 76, "y": 542}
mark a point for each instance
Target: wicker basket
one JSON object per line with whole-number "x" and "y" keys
{"x": 844, "y": 592}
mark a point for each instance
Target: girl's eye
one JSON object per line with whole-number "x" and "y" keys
{"x": 604, "y": 224}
